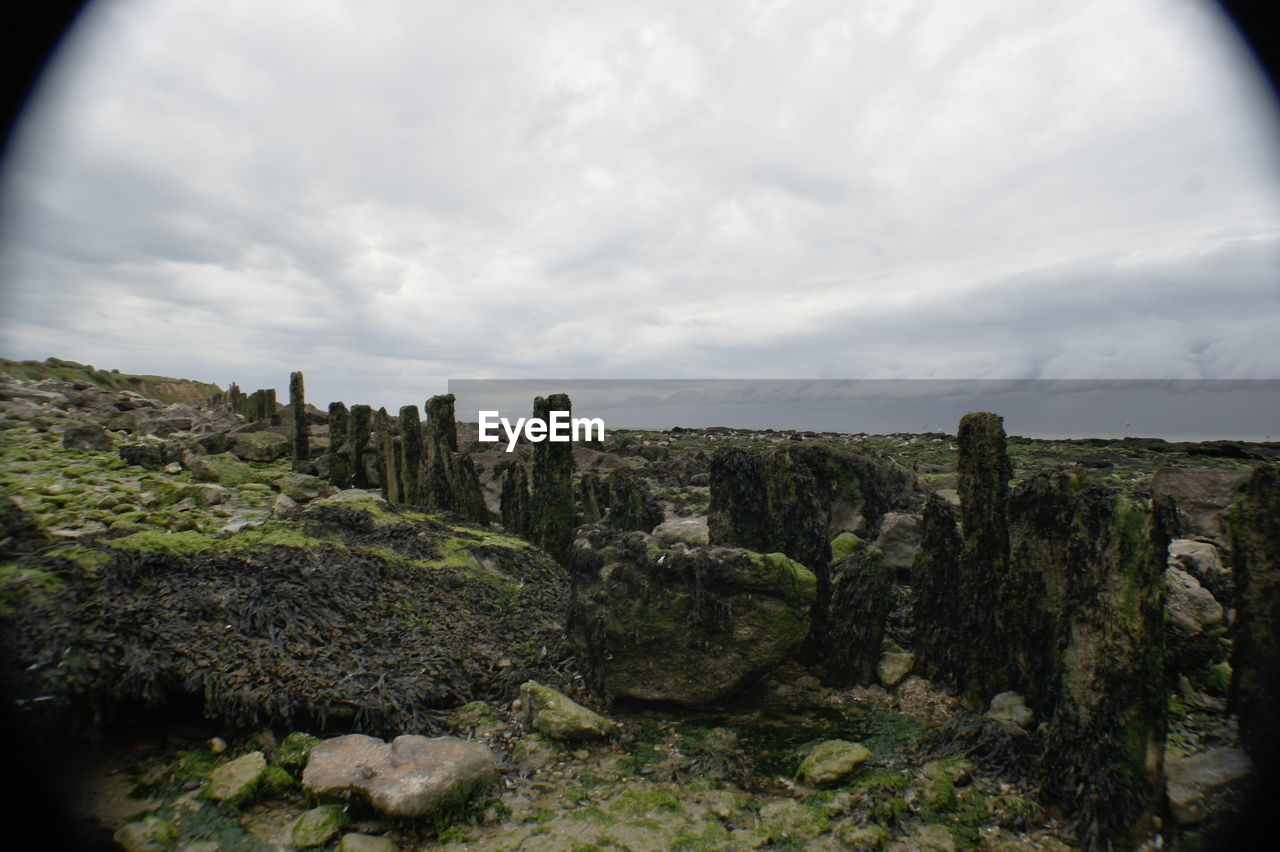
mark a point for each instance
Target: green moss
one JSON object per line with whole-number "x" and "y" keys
{"x": 17, "y": 581}
{"x": 637, "y": 802}
{"x": 82, "y": 556}
{"x": 295, "y": 750}
{"x": 276, "y": 781}
{"x": 188, "y": 543}
{"x": 843, "y": 545}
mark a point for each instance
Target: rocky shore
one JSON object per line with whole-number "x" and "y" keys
{"x": 254, "y": 625}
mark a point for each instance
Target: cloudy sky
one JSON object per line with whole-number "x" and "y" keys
{"x": 388, "y": 195}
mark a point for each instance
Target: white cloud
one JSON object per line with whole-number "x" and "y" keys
{"x": 389, "y": 194}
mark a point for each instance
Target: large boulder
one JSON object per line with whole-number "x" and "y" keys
{"x": 224, "y": 469}
{"x": 412, "y": 776}
{"x": 87, "y": 436}
{"x": 1202, "y": 495}
{"x": 259, "y": 446}
{"x": 687, "y": 625}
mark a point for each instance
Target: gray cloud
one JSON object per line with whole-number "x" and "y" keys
{"x": 391, "y": 194}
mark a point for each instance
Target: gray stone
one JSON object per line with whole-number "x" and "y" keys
{"x": 1201, "y": 494}
{"x": 831, "y": 762}
{"x": 317, "y": 826}
{"x": 1198, "y": 785}
{"x": 303, "y": 488}
{"x": 282, "y": 506}
{"x": 224, "y": 469}
{"x": 691, "y": 531}
{"x": 366, "y": 843}
{"x": 149, "y": 834}
{"x": 535, "y": 751}
{"x": 236, "y": 781}
{"x": 559, "y": 717}
{"x": 204, "y": 493}
{"x": 89, "y": 436}
{"x": 1190, "y": 606}
{"x": 411, "y": 776}
{"x": 899, "y": 540}
{"x": 1010, "y": 707}
{"x": 259, "y": 446}
{"x": 894, "y": 666}
{"x": 1200, "y": 559}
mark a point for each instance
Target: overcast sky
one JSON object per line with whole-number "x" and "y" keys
{"x": 388, "y": 195}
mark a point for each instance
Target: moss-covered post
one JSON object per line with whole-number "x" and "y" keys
{"x": 358, "y": 439}
{"x": 339, "y": 451}
{"x": 593, "y": 498}
{"x": 631, "y": 506}
{"x": 983, "y": 473}
{"x": 388, "y": 456}
{"x": 739, "y": 511}
{"x": 553, "y": 512}
{"x": 381, "y": 453}
{"x": 939, "y": 632}
{"x": 412, "y": 456}
{"x": 1102, "y": 614}
{"x": 861, "y": 597}
{"x": 1254, "y": 522}
{"x": 298, "y": 408}
{"x": 515, "y": 499}
{"x": 273, "y": 408}
{"x": 442, "y": 428}
{"x": 236, "y": 399}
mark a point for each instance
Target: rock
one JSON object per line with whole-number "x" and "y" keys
{"x": 860, "y": 837}
{"x": 1203, "y": 561}
{"x": 317, "y": 826}
{"x": 844, "y": 544}
{"x": 411, "y": 776}
{"x": 224, "y": 469}
{"x": 831, "y": 762}
{"x": 682, "y": 625}
{"x": 893, "y": 667}
{"x": 535, "y": 751}
{"x": 1199, "y": 786}
{"x": 146, "y": 454}
{"x": 204, "y": 493}
{"x": 1190, "y": 606}
{"x": 236, "y": 781}
{"x": 559, "y": 717}
{"x": 259, "y": 446}
{"x": 690, "y": 531}
{"x": 1202, "y": 496}
{"x": 1010, "y": 707}
{"x": 149, "y": 834}
{"x": 282, "y": 506}
{"x": 295, "y": 750}
{"x": 957, "y": 771}
{"x": 366, "y": 843}
{"x": 927, "y": 838}
{"x": 899, "y": 540}
{"x": 785, "y": 819}
{"x": 303, "y": 488}
{"x": 88, "y": 436}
